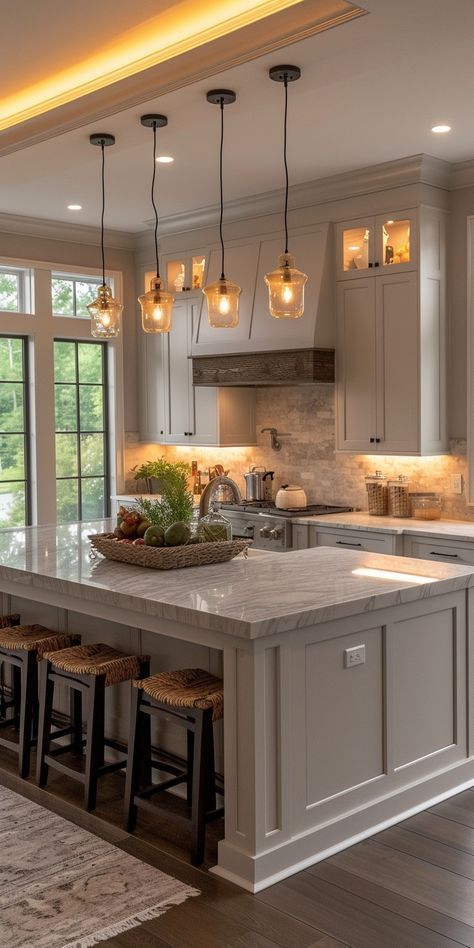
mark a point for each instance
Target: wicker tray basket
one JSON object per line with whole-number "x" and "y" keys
{"x": 172, "y": 557}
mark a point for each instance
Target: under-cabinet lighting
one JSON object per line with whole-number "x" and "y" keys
{"x": 372, "y": 573}
{"x": 74, "y": 207}
{"x": 441, "y": 129}
{"x": 354, "y": 248}
{"x": 164, "y": 159}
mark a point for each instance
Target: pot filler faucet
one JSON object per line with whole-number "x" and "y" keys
{"x": 275, "y": 442}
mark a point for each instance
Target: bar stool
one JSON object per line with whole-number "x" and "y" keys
{"x": 87, "y": 670}
{"x": 22, "y": 646}
{"x": 7, "y": 694}
{"x": 193, "y": 699}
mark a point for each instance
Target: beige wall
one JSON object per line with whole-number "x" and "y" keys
{"x": 306, "y": 413}
{"x": 72, "y": 254}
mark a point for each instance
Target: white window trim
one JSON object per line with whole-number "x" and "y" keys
{"x": 41, "y": 328}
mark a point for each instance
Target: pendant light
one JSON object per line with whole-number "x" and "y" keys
{"x": 157, "y": 304}
{"x": 105, "y": 311}
{"x": 223, "y": 295}
{"x": 286, "y": 284}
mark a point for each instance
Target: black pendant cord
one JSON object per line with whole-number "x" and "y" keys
{"x": 221, "y": 153}
{"x": 286, "y": 163}
{"x": 102, "y": 146}
{"x": 153, "y": 202}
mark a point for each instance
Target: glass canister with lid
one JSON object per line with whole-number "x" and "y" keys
{"x": 426, "y": 505}
{"x": 214, "y": 527}
{"x": 377, "y": 494}
{"x": 399, "y": 496}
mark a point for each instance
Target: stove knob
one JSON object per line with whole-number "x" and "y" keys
{"x": 276, "y": 533}
{"x": 265, "y": 532}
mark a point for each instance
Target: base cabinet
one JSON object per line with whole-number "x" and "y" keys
{"x": 362, "y": 540}
{"x": 438, "y": 550}
{"x": 173, "y": 410}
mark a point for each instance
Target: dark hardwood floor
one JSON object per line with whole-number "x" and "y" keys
{"x": 411, "y": 886}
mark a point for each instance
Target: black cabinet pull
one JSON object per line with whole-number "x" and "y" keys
{"x": 452, "y": 556}
{"x": 370, "y": 264}
{"x": 372, "y": 440}
{"x": 346, "y": 543}
{"x": 376, "y": 264}
{"x": 161, "y": 432}
{"x": 378, "y": 440}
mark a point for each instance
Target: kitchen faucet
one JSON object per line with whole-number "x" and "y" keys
{"x": 275, "y": 442}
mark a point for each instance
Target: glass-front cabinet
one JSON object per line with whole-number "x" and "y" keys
{"x": 386, "y": 243}
{"x": 184, "y": 273}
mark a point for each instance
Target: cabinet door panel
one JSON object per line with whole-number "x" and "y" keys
{"x": 152, "y": 389}
{"x": 396, "y": 243}
{"x": 355, "y": 365}
{"x": 241, "y": 268}
{"x": 177, "y": 376}
{"x": 397, "y": 363}
{"x": 355, "y": 248}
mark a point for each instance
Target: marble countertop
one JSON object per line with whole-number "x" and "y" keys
{"x": 253, "y": 597}
{"x": 361, "y": 520}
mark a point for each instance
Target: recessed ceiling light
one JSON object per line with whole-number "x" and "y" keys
{"x": 165, "y": 159}
{"x": 74, "y": 207}
{"x": 441, "y": 129}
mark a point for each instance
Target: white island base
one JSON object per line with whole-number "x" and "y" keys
{"x": 322, "y": 746}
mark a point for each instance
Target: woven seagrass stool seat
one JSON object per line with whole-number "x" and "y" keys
{"x": 87, "y": 670}
{"x": 193, "y": 699}
{"x": 21, "y": 647}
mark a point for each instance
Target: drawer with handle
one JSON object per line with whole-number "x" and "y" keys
{"x": 424, "y": 548}
{"x": 362, "y": 540}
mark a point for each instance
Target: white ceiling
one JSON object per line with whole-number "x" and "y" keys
{"x": 370, "y": 92}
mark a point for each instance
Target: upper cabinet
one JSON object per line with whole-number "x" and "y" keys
{"x": 387, "y": 243}
{"x": 185, "y": 273}
{"x": 173, "y": 411}
{"x": 246, "y": 263}
{"x": 391, "y": 345}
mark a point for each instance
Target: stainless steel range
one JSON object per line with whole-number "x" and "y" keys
{"x": 269, "y": 527}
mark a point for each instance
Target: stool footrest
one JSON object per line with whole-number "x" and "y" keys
{"x": 110, "y": 768}
{"x": 53, "y": 762}
{"x": 148, "y": 792}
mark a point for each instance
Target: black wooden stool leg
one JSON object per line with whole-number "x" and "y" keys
{"x": 95, "y": 738}
{"x": 75, "y": 704}
{"x": 210, "y": 770}
{"x": 132, "y": 779}
{"x": 44, "y": 723}
{"x": 190, "y": 756}
{"x": 27, "y": 710}
{"x": 16, "y": 685}
{"x": 144, "y": 731}
{"x": 198, "y": 813}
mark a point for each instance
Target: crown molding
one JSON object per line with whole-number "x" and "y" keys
{"x": 297, "y": 22}
{"x": 416, "y": 169}
{"x": 462, "y": 175}
{"x": 59, "y": 230}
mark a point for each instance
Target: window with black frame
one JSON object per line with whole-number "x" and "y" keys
{"x": 14, "y": 432}
{"x": 82, "y": 469}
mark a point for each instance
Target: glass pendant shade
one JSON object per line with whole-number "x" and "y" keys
{"x": 105, "y": 314}
{"x": 222, "y": 304}
{"x": 286, "y": 289}
{"x": 157, "y": 307}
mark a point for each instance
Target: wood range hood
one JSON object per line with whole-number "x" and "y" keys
{"x": 284, "y": 367}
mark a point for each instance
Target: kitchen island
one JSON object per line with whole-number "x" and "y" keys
{"x": 347, "y": 678}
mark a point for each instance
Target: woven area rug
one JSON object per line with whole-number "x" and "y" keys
{"x": 62, "y": 887}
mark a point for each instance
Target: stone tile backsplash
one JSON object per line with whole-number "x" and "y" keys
{"x": 305, "y": 417}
